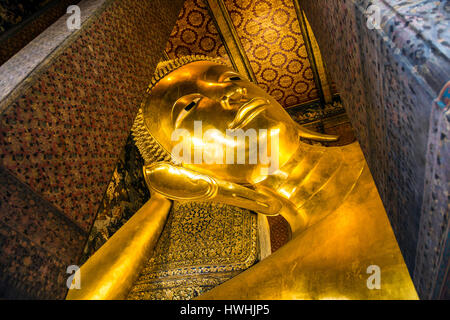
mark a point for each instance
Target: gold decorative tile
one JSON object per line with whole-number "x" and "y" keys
{"x": 202, "y": 245}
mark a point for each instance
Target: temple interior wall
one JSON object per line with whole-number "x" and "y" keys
{"x": 67, "y": 102}
{"x": 385, "y": 80}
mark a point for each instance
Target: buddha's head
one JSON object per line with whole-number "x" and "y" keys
{"x": 203, "y": 103}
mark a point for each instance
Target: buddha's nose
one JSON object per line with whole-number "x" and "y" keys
{"x": 232, "y": 96}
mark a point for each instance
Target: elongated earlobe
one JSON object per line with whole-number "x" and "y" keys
{"x": 311, "y": 135}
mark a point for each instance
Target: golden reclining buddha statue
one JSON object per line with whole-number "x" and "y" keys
{"x": 208, "y": 134}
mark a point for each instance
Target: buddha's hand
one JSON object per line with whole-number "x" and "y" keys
{"x": 181, "y": 184}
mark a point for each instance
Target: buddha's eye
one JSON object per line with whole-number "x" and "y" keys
{"x": 231, "y": 77}
{"x": 191, "y": 105}
{"x": 188, "y": 106}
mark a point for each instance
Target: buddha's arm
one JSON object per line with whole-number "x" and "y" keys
{"x": 112, "y": 270}
{"x": 182, "y": 184}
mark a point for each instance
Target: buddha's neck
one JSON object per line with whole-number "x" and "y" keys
{"x": 317, "y": 179}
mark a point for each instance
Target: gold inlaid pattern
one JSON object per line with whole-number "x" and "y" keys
{"x": 179, "y": 288}
{"x": 270, "y": 34}
{"x": 195, "y": 33}
{"x": 202, "y": 245}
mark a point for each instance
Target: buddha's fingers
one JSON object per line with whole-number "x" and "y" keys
{"x": 182, "y": 184}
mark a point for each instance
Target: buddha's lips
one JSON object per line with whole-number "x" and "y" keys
{"x": 247, "y": 112}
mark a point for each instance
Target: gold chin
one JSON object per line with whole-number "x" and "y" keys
{"x": 342, "y": 245}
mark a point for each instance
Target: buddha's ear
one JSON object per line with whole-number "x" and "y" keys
{"x": 315, "y": 136}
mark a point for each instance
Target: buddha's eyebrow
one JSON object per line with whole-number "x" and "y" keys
{"x": 230, "y": 75}
{"x": 215, "y": 73}
{"x": 191, "y": 99}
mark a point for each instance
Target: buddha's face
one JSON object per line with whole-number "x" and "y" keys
{"x": 205, "y": 95}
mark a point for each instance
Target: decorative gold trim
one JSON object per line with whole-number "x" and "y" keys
{"x": 324, "y": 75}
{"x": 165, "y": 56}
{"x": 265, "y": 248}
{"x": 315, "y": 58}
{"x": 148, "y": 147}
{"x": 230, "y": 39}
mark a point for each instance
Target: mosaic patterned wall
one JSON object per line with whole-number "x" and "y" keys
{"x": 388, "y": 79}
{"x": 61, "y": 135}
{"x": 37, "y": 243}
{"x": 126, "y": 193}
{"x": 434, "y": 240}
{"x": 56, "y": 135}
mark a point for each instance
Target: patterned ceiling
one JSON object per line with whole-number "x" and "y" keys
{"x": 195, "y": 33}
{"x": 270, "y": 38}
